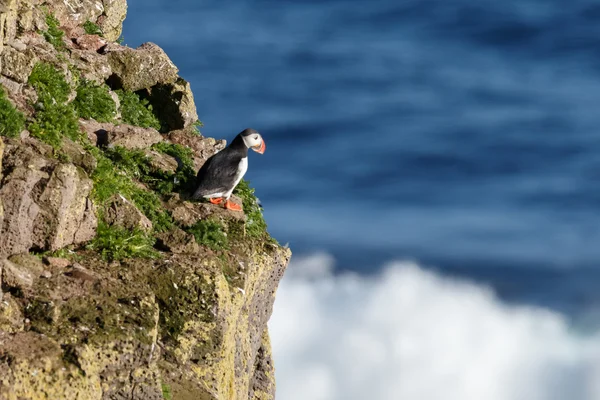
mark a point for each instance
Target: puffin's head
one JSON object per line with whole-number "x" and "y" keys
{"x": 253, "y": 140}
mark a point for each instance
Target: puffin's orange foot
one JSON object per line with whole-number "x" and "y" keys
{"x": 230, "y": 205}
{"x": 216, "y": 200}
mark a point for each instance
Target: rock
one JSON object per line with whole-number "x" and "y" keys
{"x": 225, "y": 350}
{"x": 74, "y": 13}
{"x": 187, "y": 213}
{"x": 90, "y": 42}
{"x": 11, "y": 86}
{"x": 18, "y": 65}
{"x": 178, "y": 241}
{"x": 174, "y": 105}
{"x": 26, "y": 21}
{"x": 193, "y": 319}
{"x": 11, "y": 318}
{"x": 142, "y": 68}
{"x": 121, "y": 212}
{"x": 45, "y": 203}
{"x": 91, "y": 65}
{"x": 18, "y": 45}
{"x": 263, "y": 381}
{"x": 111, "y": 21}
{"x": 131, "y": 137}
{"x": 57, "y": 263}
{"x": 8, "y": 21}
{"x": 128, "y": 136}
{"x": 2, "y": 147}
{"x": 81, "y": 273}
{"x": 13, "y": 276}
{"x": 161, "y": 161}
{"x": 79, "y": 156}
{"x": 64, "y": 207}
{"x": 202, "y": 148}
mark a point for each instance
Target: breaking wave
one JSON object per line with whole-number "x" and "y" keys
{"x": 411, "y": 334}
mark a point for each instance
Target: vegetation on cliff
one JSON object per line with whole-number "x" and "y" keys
{"x": 113, "y": 283}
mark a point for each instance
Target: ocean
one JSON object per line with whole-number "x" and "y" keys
{"x": 451, "y": 147}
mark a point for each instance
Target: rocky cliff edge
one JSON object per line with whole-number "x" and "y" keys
{"x": 113, "y": 285}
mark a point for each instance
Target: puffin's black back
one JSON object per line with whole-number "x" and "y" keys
{"x": 219, "y": 172}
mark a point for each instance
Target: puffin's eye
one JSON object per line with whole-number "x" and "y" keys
{"x": 256, "y": 137}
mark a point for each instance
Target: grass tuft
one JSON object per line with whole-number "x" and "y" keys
{"x": 54, "y": 35}
{"x": 92, "y": 28}
{"x": 137, "y": 111}
{"x": 209, "y": 233}
{"x": 54, "y": 117}
{"x": 116, "y": 243}
{"x": 256, "y": 226}
{"x": 166, "y": 392}
{"x": 12, "y": 121}
{"x": 184, "y": 178}
{"x": 113, "y": 177}
{"x": 94, "y": 101}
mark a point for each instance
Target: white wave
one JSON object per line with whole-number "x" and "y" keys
{"x": 409, "y": 334}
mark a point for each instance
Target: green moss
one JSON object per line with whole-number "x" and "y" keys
{"x": 166, "y": 392}
{"x": 197, "y": 125}
{"x": 54, "y": 117}
{"x": 94, "y": 101}
{"x": 256, "y": 226}
{"x": 116, "y": 243}
{"x": 137, "y": 111}
{"x": 115, "y": 175}
{"x": 49, "y": 83}
{"x": 12, "y": 121}
{"x": 149, "y": 204}
{"x": 54, "y": 35}
{"x": 138, "y": 164}
{"x": 92, "y": 28}
{"x": 185, "y": 177}
{"x": 209, "y": 233}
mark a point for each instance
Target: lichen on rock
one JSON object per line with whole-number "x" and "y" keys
{"x": 113, "y": 284}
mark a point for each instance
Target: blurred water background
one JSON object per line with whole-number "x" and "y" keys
{"x": 462, "y": 135}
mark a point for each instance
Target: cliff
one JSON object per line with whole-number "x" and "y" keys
{"x": 113, "y": 284}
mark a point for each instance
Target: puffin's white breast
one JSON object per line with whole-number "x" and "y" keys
{"x": 242, "y": 168}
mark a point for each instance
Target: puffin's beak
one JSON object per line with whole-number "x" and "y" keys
{"x": 261, "y": 148}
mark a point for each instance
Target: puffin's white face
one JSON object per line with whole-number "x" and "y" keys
{"x": 255, "y": 142}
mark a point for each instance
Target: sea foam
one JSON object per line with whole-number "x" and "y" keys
{"x": 411, "y": 334}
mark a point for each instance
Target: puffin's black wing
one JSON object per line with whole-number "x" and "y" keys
{"x": 218, "y": 173}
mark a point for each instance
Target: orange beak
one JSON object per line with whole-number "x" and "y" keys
{"x": 261, "y": 149}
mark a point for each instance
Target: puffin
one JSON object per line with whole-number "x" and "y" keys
{"x": 222, "y": 172}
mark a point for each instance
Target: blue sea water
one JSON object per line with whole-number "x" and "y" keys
{"x": 461, "y": 134}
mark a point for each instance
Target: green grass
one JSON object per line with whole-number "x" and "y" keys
{"x": 166, "y": 392}
{"x": 54, "y": 35}
{"x": 138, "y": 165}
{"x": 256, "y": 226}
{"x": 116, "y": 243}
{"x": 12, "y": 121}
{"x": 49, "y": 83}
{"x": 209, "y": 233}
{"x": 54, "y": 117}
{"x": 185, "y": 177}
{"x": 197, "y": 125}
{"x": 92, "y": 28}
{"x": 112, "y": 178}
{"x": 137, "y": 111}
{"x": 94, "y": 101}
